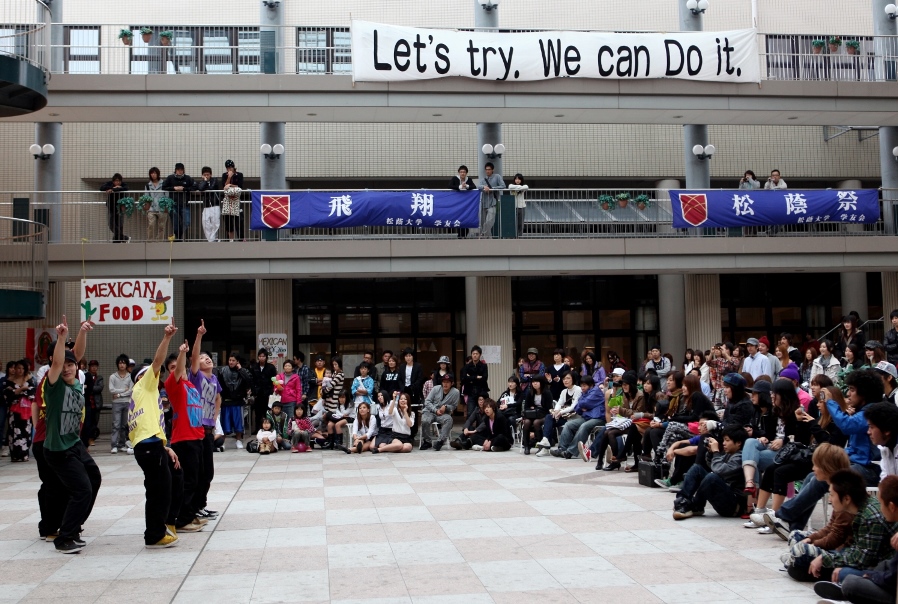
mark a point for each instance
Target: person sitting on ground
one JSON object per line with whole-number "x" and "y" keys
{"x": 876, "y": 586}
{"x": 722, "y": 487}
{"x": 870, "y": 534}
{"x": 494, "y": 428}
{"x": 828, "y": 460}
{"x": 384, "y": 421}
{"x": 364, "y": 429}
{"x": 633, "y": 408}
{"x": 682, "y": 454}
{"x": 557, "y": 417}
{"x": 403, "y": 420}
{"x": 469, "y": 435}
{"x": 267, "y": 438}
{"x": 863, "y": 385}
{"x": 689, "y": 406}
{"x": 300, "y": 430}
{"x": 588, "y": 414}
{"x": 537, "y": 404}
{"x": 279, "y": 421}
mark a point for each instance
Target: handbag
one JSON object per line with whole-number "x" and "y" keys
{"x": 793, "y": 452}
{"x": 230, "y": 203}
{"x": 272, "y": 399}
{"x": 620, "y": 423}
{"x": 534, "y": 413}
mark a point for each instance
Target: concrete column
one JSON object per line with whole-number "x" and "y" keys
{"x": 889, "y": 295}
{"x": 672, "y": 314}
{"x": 57, "y": 36}
{"x": 688, "y": 20}
{"x": 487, "y": 133}
{"x": 48, "y": 176}
{"x": 888, "y": 166}
{"x": 274, "y": 308}
{"x": 273, "y": 172}
{"x": 851, "y": 183}
{"x": 490, "y": 311}
{"x": 702, "y": 295}
{"x": 271, "y": 21}
{"x": 697, "y": 171}
{"x": 884, "y": 48}
{"x": 854, "y": 294}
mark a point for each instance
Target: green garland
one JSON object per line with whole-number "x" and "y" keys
{"x": 127, "y": 204}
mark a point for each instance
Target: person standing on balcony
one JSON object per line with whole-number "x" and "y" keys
{"x": 157, "y": 219}
{"x": 113, "y": 189}
{"x": 180, "y": 184}
{"x": 517, "y": 189}
{"x": 775, "y": 182}
{"x": 749, "y": 181}
{"x": 209, "y": 187}
{"x": 462, "y": 182}
{"x": 490, "y": 185}
{"x": 232, "y": 183}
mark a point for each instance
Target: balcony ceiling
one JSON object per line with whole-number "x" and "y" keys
{"x": 334, "y": 98}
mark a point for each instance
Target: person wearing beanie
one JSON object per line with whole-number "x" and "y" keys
{"x": 764, "y": 348}
{"x": 790, "y": 372}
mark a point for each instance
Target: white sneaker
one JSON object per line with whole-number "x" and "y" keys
{"x": 114, "y": 450}
{"x": 239, "y": 444}
{"x": 757, "y": 518}
{"x": 544, "y": 443}
{"x": 477, "y": 447}
{"x": 765, "y": 531}
{"x": 542, "y": 452}
{"x": 130, "y": 451}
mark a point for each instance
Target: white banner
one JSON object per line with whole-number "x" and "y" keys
{"x": 388, "y": 53}
{"x": 139, "y": 301}
{"x": 276, "y": 345}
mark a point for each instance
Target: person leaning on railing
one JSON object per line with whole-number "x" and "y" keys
{"x": 116, "y": 221}
{"x": 157, "y": 218}
{"x": 517, "y": 189}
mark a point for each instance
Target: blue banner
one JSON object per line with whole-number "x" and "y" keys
{"x": 760, "y": 207}
{"x": 341, "y": 209}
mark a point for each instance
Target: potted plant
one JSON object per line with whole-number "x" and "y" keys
{"x": 145, "y": 202}
{"x": 127, "y": 204}
{"x": 606, "y": 201}
{"x": 642, "y": 201}
{"x": 166, "y": 37}
{"x": 146, "y": 33}
{"x": 835, "y": 42}
{"x": 852, "y": 47}
{"x": 126, "y": 36}
{"x": 817, "y": 46}
{"x": 166, "y": 204}
{"x": 622, "y": 199}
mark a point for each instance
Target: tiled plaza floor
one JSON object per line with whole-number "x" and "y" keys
{"x": 426, "y": 527}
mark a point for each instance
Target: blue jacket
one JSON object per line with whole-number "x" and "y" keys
{"x": 591, "y": 404}
{"x": 860, "y": 450}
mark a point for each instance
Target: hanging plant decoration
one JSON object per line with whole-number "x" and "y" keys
{"x": 166, "y": 204}
{"x": 146, "y": 33}
{"x": 606, "y": 201}
{"x": 127, "y": 204}
{"x": 852, "y": 46}
{"x": 835, "y": 42}
{"x": 126, "y": 36}
{"x": 642, "y": 201}
{"x": 145, "y": 202}
{"x": 165, "y": 37}
{"x": 623, "y": 199}
{"x": 817, "y": 46}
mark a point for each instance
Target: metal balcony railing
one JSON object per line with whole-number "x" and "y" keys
{"x": 326, "y": 50}
{"x": 25, "y": 31}
{"x": 549, "y": 213}
{"x": 24, "y": 269}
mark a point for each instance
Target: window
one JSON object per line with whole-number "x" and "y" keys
{"x": 82, "y": 50}
{"x": 323, "y": 50}
{"x": 210, "y": 50}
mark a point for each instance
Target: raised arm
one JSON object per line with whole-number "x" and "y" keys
{"x": 81, "y": 340}
{"x": 162, "y": 350}
{"x": 182, "y": 360}
{"x": 62, "y": 331}
{"x": 197, "y": 345}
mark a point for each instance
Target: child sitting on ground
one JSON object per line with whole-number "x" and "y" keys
{"x": 877, "y": 585}
{"x": 279, "y": 421}
{"x": 300, "y": 430}
{"x": 267, "y": 438}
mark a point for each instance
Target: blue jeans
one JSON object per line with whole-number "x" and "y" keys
{"x": 180, "y": 216}
{"x": 797, "y": 511}
{"x": 756, "y": 454}
{"x": 701, "y": 487}
{"x": 577, "y": 430}
{"x": 550, "y": 425}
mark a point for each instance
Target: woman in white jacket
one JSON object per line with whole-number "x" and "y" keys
{"x": 517, "y": 189}
{"x": 826, "y": 363}
{"x": 364, "y": 429}
{"x": 554, "y": 420}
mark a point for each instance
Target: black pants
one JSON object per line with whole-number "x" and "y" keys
{"x": 88, "y": 428}
{"x": 208, "y": 473}
{"x": 153, "y": 460}
{"x": 681, "y": 465}
{"x": 52, "y": 497}
{"x": 190, "y": 454}
{"x": 80, "y": 476}
{"x": 115, "y": 219}
{"x": 260, "y": 408}
{"x": 177, "y": 493}
{"x": 652, "y": 439}
{"x": 500, "y": 443}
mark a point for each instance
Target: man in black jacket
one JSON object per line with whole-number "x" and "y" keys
{"x": 263, "y": 387}
{"x": 116, "y": 221}
{"x": 235, "y": 382}
{"x": 209, "y": 187}
{"x": 474, "y": 378}
{"x": 462, "y": 183}
{"x": 179, "y": 184}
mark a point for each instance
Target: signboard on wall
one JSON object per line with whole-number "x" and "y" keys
{"x": 138, "y": 301}
{"x": 276, "y": 345}
{"x": 492, "y": 355}
{"x": 389, "y": 53}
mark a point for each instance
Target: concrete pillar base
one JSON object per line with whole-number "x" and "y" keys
{"x": 672, "y": 314}
{"x": 854, "y": 294}
{"x": 488, "y": 320}
{"x": 274, "y": 309}
{"x": 702, "y": 299}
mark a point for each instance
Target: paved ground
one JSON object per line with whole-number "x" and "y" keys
{"x": 428, "y": 527}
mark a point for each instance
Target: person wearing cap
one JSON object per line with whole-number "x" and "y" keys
{"x": 739, "y": 409}
{"x": 63, "y": 399}
{"x": 179, "y": 185}
{"x": 232, "y": 184}
{"x": 114, "y": 190}
{"x": 474, "y": 380}
{"x": 444, "y": 366}
{"x": 145, "y": 429}
{"x": 658, "y": 363}
{"x": 874, "y": 352}
{"x": 438, "y": 408}
{"x": 757, "y": 455}
{"x": 320, "y": 373}
{"x": 764, "y": 348}
{"x": 120, "y": 385}
{"x": 889, "y": 375}
{"x": 207, "y": 385}
{"x": 756, "y": 363}
{"x": 210, "y": 187}
{"x": 530, "y": 368}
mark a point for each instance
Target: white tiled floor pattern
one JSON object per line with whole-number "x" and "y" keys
{"x": 429, "y": 527}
